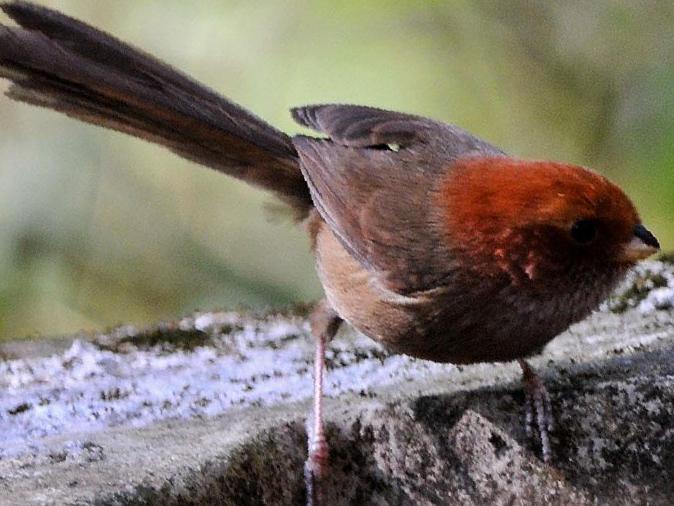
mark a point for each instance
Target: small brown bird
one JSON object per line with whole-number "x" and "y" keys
{"x": 427, "y": 239}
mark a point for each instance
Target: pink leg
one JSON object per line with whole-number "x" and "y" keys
{"x": 324, "y": 325}
{"x": 537, "y": 406}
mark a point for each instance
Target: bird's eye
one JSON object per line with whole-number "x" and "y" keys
{"x": 584, "y": 231}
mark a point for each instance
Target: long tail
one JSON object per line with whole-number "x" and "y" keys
{"x": 58, "y": 62}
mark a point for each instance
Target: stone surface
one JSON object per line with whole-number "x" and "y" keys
{"x": 210, "y": 410}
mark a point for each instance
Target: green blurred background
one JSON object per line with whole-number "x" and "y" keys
{"x": 97, "y": 228}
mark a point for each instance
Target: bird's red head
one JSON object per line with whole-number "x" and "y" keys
{"x": 538, "y": 220}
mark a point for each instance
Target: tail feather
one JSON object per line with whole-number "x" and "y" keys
{"x": 63, "y": 64}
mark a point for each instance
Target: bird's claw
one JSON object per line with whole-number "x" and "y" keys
{"x": 538, "y": 417}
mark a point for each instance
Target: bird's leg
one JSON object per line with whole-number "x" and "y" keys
{"x": 538, "y": 408}
{"x": 324, "y": 325}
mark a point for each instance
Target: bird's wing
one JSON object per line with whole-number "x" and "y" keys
{"x": 372, "y": 181}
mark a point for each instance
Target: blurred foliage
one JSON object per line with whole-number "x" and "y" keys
{"x": 98, "y": 228}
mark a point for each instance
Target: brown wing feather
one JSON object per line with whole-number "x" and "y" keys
{"x": 376, "y": 200}
{"x": 362, "y": 126}
{"x": 377, "y": 209}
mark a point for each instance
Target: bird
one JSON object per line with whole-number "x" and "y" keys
{"x": 427, "y": 239}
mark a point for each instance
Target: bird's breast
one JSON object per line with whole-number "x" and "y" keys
{"x": 354, "y": 294}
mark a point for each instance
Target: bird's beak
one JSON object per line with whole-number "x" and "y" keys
{"x": 642, "y": 245}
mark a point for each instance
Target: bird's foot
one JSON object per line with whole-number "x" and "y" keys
{"x": 538, "y": 417}
{"x": 315, "y": 469}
